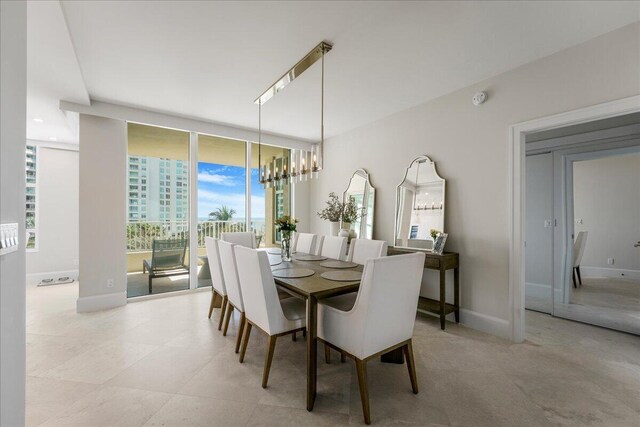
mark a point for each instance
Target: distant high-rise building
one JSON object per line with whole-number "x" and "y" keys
{"x": 158, "y": 190}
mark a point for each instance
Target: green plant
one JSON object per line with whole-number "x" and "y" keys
{"x": 350, "y": 213}
{"x": 286, "y": 225}
{"x": 434, "y": 233}
{"x": 333, "y": 211}
{"x": 223, "y": 213}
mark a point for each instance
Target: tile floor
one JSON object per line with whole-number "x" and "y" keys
{"x": 163, "y": 363}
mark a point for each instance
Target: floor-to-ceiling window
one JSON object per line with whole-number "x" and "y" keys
{"x": 157, "y": 210}
{"x": 222, "y": 198}
{"x": 158, "y": 203}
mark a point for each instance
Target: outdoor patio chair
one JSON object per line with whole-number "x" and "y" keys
{"x": 167, "y": 259}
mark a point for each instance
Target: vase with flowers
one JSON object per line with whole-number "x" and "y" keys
{"x": 333, "y": 213}
{"x": 350, "y": 215}
{"x": 286, "y": 225}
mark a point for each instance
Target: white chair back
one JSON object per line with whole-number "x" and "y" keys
{"x": 334, "y": 247}
{"x": 230, "y": 273}
{"x": 578, "y": 247}
{"x": 213, "y": 256}
{"x": 362, "y": 250}
{"x": 385, "y": 309}
{"x": 261, "y": 302}
{"x": 306, "y": 243}
{"x": 246, "y": 239}
{"x": 319, "y": 243}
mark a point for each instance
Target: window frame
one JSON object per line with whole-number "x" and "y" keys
{"x": 35, "y": 186}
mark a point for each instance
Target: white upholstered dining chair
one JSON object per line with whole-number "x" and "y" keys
{"x": 246, "y": 239}
{"x": 305, "y": 243}
{"x": 234, "y": 293}
{"x": 360, "y": 250}
{"x": 263, "y": 309}
{"x": 381, "y": 319}
{"x": 218, "y": 290}
{"x": 334, "y": 247}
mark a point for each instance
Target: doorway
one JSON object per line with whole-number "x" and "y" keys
{"x": 582, "y": 209}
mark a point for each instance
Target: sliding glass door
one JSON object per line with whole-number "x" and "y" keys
{"x": 183, "y": 187}
{"x": 222, "y": 197}
{"x": 157, "y": 210}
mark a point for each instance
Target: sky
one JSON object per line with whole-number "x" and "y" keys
{"x": 225, "y": 185}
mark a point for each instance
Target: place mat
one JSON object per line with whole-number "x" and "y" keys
{"x": 338, "y": 264}
{"x": 275, "y": 251}
{"x": 274, "y": 261}
{"x": 343, "y": 276}
{"x": 292, "y": 273}
{"x": 309, "y": 257}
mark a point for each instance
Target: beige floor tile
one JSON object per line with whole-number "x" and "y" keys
{"x": 47, "y": 351}
{"x": 278, "y": 416}
{"x": 100, "y": 363}
{"x": 111, "y": 406}
{"x": 167, "y": 369}
{"x": 482, "y": 399}
{"x": 201, "y": 411}
{"x": 577, "y": 402}
{"x": 49, "y": 397}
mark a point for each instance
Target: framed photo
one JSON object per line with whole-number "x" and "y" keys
{"x": 414, "y": 232}
{"x": 438, "y": 245}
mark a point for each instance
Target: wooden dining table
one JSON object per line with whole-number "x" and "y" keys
{"x": 312, "y": 288}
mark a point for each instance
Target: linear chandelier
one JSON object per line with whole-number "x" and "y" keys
{"x": 300, "y": 164}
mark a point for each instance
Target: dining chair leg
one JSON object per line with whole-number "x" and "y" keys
{"x": 240, "y": 329}
{"x": 579, "y": 275}
{"x": 245, "y": 340}
{"x": 361, "y": 367}
{"x": 271, "y": 346}
{"x": 343, "y": 357}
{"x": 227, "y": 318}
{"x": 213, "y": 301}
{"x": 294, "y": 337}
{"x": 223, "y": 308}
{"x": 327, "y": 354}
{"x": 573, "y": 277}
{"x": 411, "y": 366}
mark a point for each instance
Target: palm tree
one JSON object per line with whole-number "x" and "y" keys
{"x": 223, "y": 213}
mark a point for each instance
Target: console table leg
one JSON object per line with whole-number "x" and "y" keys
{"x": 443, "y": 297}
{"x": 456, "y": 292}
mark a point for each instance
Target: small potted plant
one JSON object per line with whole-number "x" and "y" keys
{"x": 350, "y": 215}
{"x": 286, "y": 225}
{"x": 333, "y": 213}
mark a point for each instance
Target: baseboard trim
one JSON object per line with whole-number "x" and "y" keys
{"x": 480, "y": 322}
{"x": 101, "y": 302}
{"x": 485, "y": 323}
{"x": 602, "y": 272}
{"x": 35, "y": 278}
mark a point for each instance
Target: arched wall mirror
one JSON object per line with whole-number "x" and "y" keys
{"x": 420, "y": 205}
{"x": 362, "y": 191}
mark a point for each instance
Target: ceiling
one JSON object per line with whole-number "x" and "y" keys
{"x": 210, "y": 60}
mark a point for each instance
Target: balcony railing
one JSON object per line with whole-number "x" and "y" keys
{"x": 141, "y": 234}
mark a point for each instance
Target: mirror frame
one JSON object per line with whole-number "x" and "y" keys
{"x": 365, "y": 201}
{"x": 420, "y": 158}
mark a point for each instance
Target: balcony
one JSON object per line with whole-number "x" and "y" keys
{"x": 140, "y": 237}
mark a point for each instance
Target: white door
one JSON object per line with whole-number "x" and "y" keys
{"x": 539, "y": 233}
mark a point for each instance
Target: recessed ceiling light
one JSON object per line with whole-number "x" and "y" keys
{"x": 53, "y": 138}
{"x": 38, "y": 120}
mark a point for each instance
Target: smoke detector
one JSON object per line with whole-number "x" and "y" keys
{"x": 479, "y": 98}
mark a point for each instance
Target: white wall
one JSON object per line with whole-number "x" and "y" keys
{"x": 103, "y": 173}
{"x": 13, "y": 111}
{"x": 607, "y": 200}
{"x": 470, "y": 147}
{"x": 57, "y": 214}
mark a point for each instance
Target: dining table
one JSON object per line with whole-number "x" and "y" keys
{"x": 312, "y": 289}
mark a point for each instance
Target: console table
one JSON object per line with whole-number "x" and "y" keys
{"x": 442, "y": 263}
